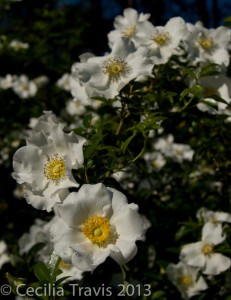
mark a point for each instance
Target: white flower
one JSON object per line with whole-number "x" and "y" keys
{"x": 186, "y": 279}
{"x": 215, "y": 217}
{"x": 41, "y": 80}
{"x": 69, "y": 270}
{"x": 17, "y": 45}
{"x": 24, "y": 87}
{"x": 208, "y": 45}
{"x": 154, "y": 160}
{"x": 131, "y": 25}
{"x": 44, "y": 122}
{"x": 178, "y": 152}
{"x": 106, "y": 75}
{"x": 39, "y": 232}
{"x": 95, "y": 223}
{"x": 75, "y": 108}
{"x": 163, "y": 41}
{"x": 215, "y": 86}
{"x": 7, "y": 81}
{"x": 202, "y": 254}
{"x": 64, "y": 82}
{"x": 4, "y": 257}
{"x": 45, "y": 166}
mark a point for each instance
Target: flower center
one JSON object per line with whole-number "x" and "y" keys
{"x": 161, "y": 39}
{"x": 128, "y": 32}
{"x": 115, "y": 68}
{"x": 25, "y": 86}
{"x": 205, "y": 43}
{"x": 186, "y": 280}
{"x": 99, "y": 231}
{"x": 54, "y": 168}
{"x": 207, "y": 249}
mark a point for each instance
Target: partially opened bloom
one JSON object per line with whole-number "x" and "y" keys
{"x": 95, "y": 223}
{"x": 203, "y": 255}
{"x": 45, "y": 166}
{"x": 186, "y": 279}
{"x": 106, "y": 75}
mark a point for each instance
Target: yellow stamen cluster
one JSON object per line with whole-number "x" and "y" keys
{"x": 115, "y": 68}
{"x": 99, "y": 231}
{"x": 186, "y": 280}
{"x": 207, "y": 249}
{"x": 205, "y": 43}
{"x": 54, "y": 168}
{"x": 128, "y": 32}
{"x": 161, "y": 39}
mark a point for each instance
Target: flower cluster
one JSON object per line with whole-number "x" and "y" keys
{"x": 93, "y": 223}
{"x": 201, "y": 257}
{"x": 138, "y": 144}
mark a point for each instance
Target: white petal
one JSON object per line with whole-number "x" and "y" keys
{"x": 128, "y": 223}
{"x": 123, "y": 251}
{"x": 216, "y": 263}
{"x": 212, "y": 233}
{"x": 28, "y": 164}
{"x": 90, "y": 200}
{"x": 131, "y": 15}
{"x": 88, "y": 261}
{"x": 192, "y": 255}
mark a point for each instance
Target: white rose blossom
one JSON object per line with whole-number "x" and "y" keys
{"x": 186, "y": 279}
{"x": 39, "y": 232}
{"x": 106, "y": 75}
{"x": 208, "y": 45}
{"x": 219, "y": 85}
{"x": 95, "y": 223}
{"x": 215, "y": 217}
{"x": 24, "y": 87}
{"x": 131, "y": 25}
{"x": 202, "y": 254}
{"x": 177, "y": 151}
{"x": 45, "y": 166}
{"x": 7, "y": 81}
{"x": 163, "y": 41}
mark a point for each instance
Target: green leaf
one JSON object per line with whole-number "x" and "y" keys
{"x": 87, "y": 120}
{"x": 125, "y": 144}
{"x": 41, "y": 271}
{"x": 209, "y": 70}
{"x": 157, "y": 294}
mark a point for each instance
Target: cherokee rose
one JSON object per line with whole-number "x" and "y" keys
{"x": 94, "y": 223}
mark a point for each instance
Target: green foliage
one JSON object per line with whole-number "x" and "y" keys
{"x": 119, "y": 139}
